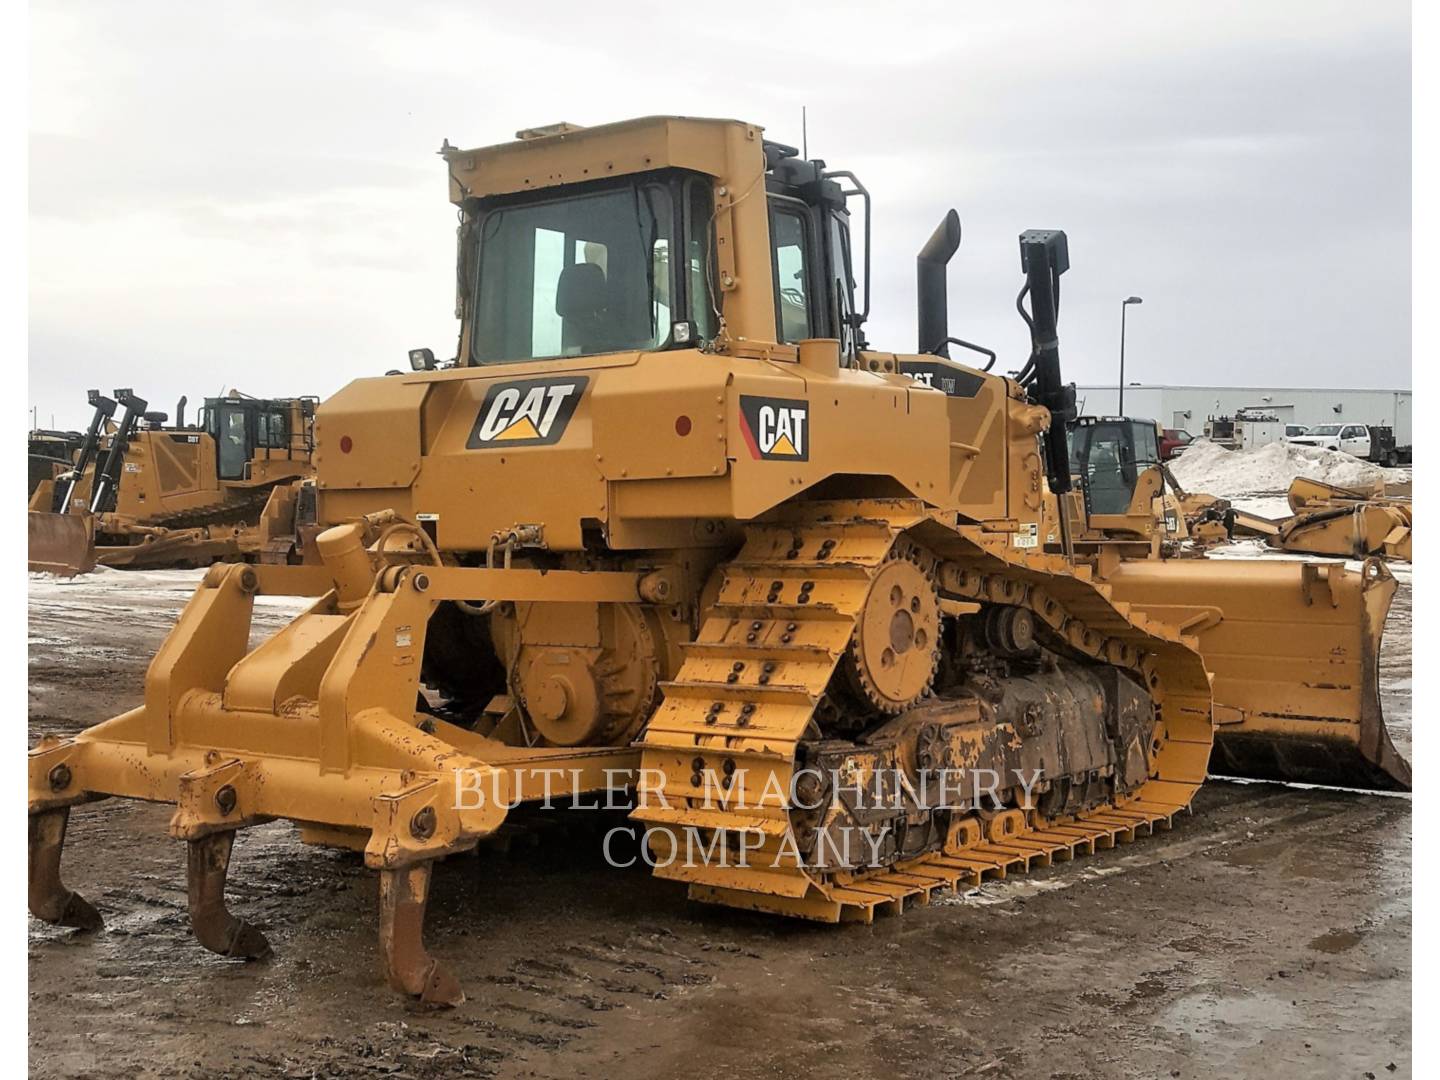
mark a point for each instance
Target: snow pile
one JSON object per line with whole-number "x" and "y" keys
{"x": 1210, "y": 468}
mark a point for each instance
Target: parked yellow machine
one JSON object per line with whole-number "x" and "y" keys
{"x": 1125, "y": 491}
{"x": 1330, "y": 520}
{"x": 668, "y": 522}
{"x": 1351, "y": 523}
{"x": 143, "y": 494}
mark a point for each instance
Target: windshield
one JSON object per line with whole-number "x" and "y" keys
{"x": 1325, "y": 429}
{"x": 574, "y": 276}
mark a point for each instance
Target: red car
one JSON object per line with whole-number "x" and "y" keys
{"x": 1173, "y": 443}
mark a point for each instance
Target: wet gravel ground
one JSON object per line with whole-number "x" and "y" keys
{"x": 1268, "y": 934}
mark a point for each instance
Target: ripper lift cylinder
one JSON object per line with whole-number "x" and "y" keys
{"x": 107, "y": 478}
{"x": 104, "y": 409}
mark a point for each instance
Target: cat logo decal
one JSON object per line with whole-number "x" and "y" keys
{"x": 526, "y": 412}
{"x": 776, "y": 429}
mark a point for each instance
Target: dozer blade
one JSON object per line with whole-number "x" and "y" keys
{"x": 1293, "y": 652}
{"x": 61, "y": 544}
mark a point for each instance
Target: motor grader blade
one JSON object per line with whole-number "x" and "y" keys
{"x": 62, "y": 544}
{"x": 1293, "y": 652}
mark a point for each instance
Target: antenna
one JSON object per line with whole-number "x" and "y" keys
{"x": 804, "y": 135}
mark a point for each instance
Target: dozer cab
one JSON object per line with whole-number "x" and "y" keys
{"x": 144, "y": 494}
{"x": 1121, "y": 491}
{"x": 668, "y": 525}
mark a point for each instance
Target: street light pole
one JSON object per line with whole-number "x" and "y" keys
{"x": 1123, "y": 305}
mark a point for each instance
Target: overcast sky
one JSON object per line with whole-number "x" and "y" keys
{"x": 248, "y": 194}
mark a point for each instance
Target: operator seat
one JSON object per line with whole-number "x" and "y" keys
{"x": 581, "y": 303}
{"x": 1109, "y": 492}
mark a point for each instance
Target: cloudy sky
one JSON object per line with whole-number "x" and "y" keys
{"x": 247, "y": 194}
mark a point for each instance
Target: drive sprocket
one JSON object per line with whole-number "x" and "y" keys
{"x": 894, "y": 650}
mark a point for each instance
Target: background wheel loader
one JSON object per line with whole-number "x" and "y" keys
{"x": 669, "y": 525}
{"x": 143, "y": 494}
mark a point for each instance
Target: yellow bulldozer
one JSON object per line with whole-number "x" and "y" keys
{"x": 669, "y": 526}
{"x": 141, "y": 494}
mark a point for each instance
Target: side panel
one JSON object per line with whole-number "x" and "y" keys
{"x": 368, "y": 435}
{"x": 790, "y": 428}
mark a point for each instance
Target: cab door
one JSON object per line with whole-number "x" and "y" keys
{"x": 230, "y": 429}
{"x": 1355, "y": 439}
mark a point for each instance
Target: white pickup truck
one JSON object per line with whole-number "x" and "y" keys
{"x": 1371, "y": 442}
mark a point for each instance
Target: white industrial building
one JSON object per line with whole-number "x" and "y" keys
{"x": 1189, "y": 407}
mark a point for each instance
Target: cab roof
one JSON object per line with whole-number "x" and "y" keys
{"x": 567, "y": 154}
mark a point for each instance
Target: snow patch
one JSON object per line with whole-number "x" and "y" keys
{"x": 1212, "y": 469}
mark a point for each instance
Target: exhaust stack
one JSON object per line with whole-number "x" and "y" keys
{"x": 930, "y": 294}
{"x": 180, "y": 411}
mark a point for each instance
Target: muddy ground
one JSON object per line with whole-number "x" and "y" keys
{"x": 1268, "y": 934}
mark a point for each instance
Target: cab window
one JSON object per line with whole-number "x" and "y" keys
{"x": 231, "y": 449}
{"x": 575, "y": 275}
{"x": 700, "y": 256}
{"x": 1147, "y": 448}
{"x": 790, "y": 265}
{"x": 842, "y": 284}
{"x": 274, "y": 431}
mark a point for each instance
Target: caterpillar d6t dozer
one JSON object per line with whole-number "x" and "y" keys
{"x": 144, "y": 495}
{"x": 669, "y": 524}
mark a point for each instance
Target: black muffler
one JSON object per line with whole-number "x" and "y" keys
{"x": 931, "y": 300}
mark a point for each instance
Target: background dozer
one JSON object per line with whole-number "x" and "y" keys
{"x": 669, "y": 524}
{"x": 144, "y": 494}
